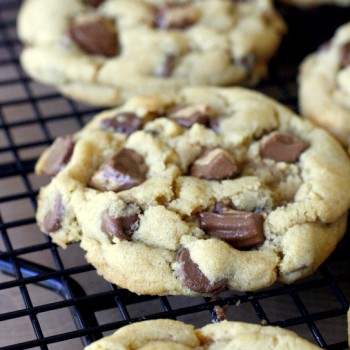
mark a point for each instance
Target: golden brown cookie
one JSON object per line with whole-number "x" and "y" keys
{"x": 103, "y": 52}
{"x": 324, "y": 91}
{"x": 198, "y": 192}
{"x": 175, "y": 335}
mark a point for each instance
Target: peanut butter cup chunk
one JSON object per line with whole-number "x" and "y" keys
{"x": 214, "y": 164}
{"x": 95, "y": 34}
{"x": 193, "y": 277}
{"x": 124, "y": 122}
{"x": 166, "y": 66}
{"x": 93, "y": 3}
{"x": 344, "y": 55}
{"x": 52, "y": 219}
{"x": 125, "y": 170}
{"x": 58, "y": 155}
{"x": 176, "y": 16}
{"x": 283, "y": 148}
{"x": 120, "y": 227}
{"x": 189, "y": 115}
{"x": 239, "y": 229}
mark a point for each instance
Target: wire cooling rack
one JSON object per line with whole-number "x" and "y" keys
{"x": 51, "y": 299}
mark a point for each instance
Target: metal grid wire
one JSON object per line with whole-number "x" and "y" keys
{"x": 51, "y": 299}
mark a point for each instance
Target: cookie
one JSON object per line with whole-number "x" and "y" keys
{"x": 324, "y": 90}
{"x": 197, "y": 192}
{"x": 148, "y": 46}
{"x": 176, "y": 335}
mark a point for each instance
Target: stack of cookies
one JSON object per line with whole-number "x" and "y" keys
{"x": 187, "y": 187}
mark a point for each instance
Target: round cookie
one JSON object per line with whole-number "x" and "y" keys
{"x": 197, "y": 192}
{"x": 324, "y": 91}
{"x": 176, "y": 335}
{"x": 148, "y": 46}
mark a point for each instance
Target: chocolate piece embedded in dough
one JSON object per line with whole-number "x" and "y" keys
{"x": 192, "y": 114}
{"x": 176, "y": 16}
{"x": 166, "y": 67}
{"x": 95, "y": 34}
{"x": 193, "y": 277}
{"x": 52, "y": 219}
{"x": 59, "y": 155}
{"x": 120, "y": 227}
{"x": 344, "y": 53}
{"x": 214, "y": 164}
{"x": 93, "y": 3}
{"x": 283, "y": 148}
{"x": 124, "y": 122}
{"x": 239, "y": 229}
{"x": 125, "y": 170}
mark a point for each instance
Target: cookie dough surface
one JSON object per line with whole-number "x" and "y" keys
{"x": 148, "y": 46}
{"x": 324, "y": 91}
{"x": 201, "y": 191}
{"x": 175, "y": 335}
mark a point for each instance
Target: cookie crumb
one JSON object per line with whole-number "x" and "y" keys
{"x": 220, "y": 313}
{"x": 264, "y": 322}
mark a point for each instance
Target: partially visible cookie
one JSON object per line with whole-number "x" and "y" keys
{"x": 175, "y": 335}
{"x": 324, "y": 91}
{"x": 103, "y": 52}
{"x": 197, "y": 192}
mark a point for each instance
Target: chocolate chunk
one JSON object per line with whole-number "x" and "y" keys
{"x": 189, "y": 115}
{"x": 166, "y": 68}
{"x": 124, "y": 122}
{"x": 58, "y": 155}
{"x": 283, "y": 148}
{"x": 125, "y": 170}
{"x": 214, "y": 164}
{"x": 52, "y": 219}
{"x": 344, "y": 53}
{"x": 121, "y": 227}
{"x": 176, "y": 16}
{"x": 193, "y": 277}
{"x": 93, "y": 3}
{"x": 214, "y": 124}
{"x": 239, "y": 229}
{"x": 95, "y": 34}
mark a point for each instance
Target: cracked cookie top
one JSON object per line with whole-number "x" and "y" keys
{"x": 324, "y": 89}
{"x": 204, "y": 190}
{"x": 101, "y": 52}
{"x": 176, "y": 335}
